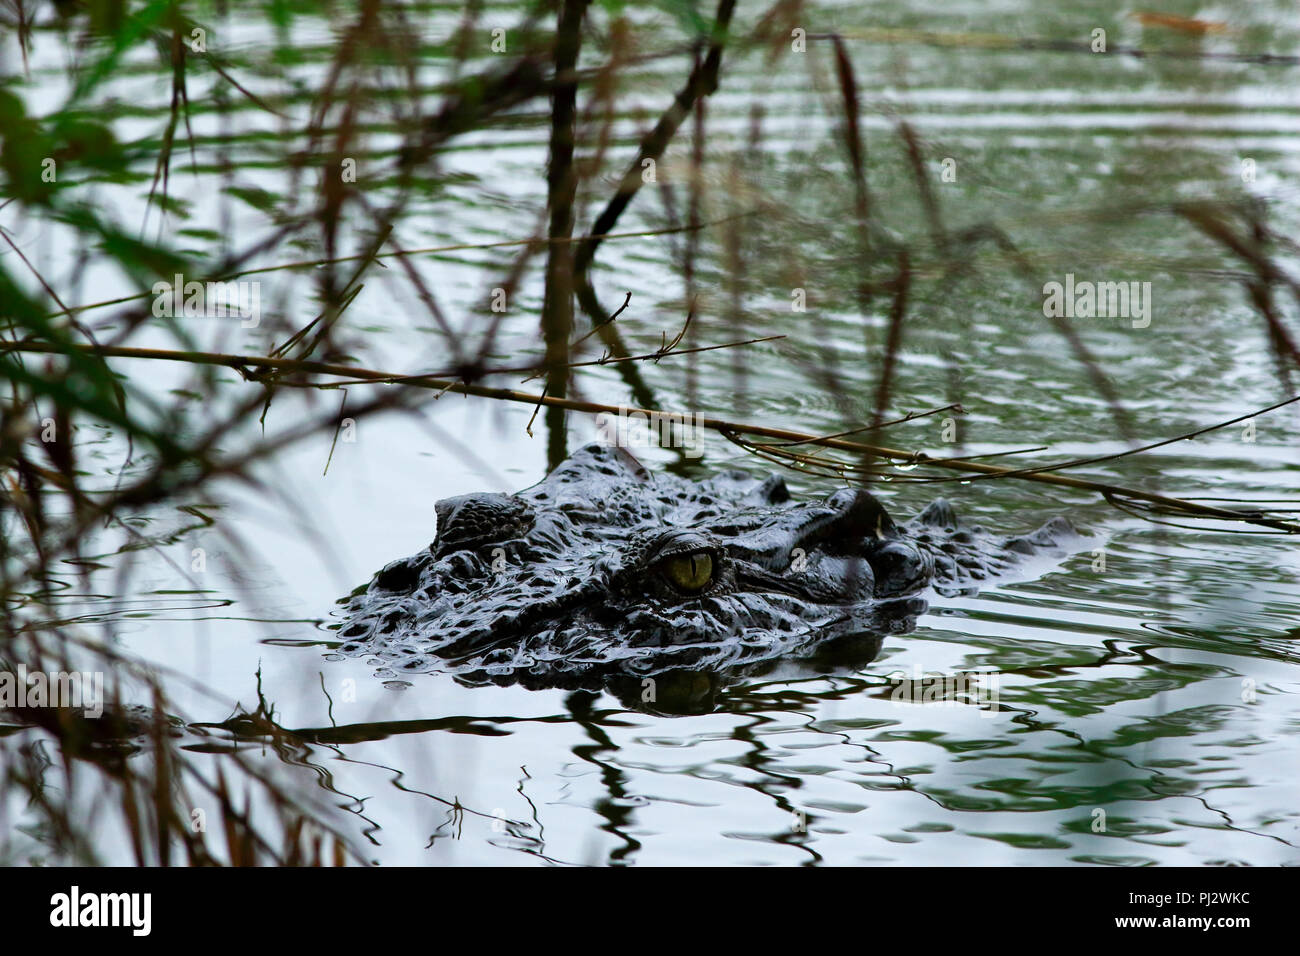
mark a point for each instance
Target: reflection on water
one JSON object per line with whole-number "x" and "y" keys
{"x": 1148, "y": 693}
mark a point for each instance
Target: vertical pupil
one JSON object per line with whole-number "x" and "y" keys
{"x": 692, "y": 571}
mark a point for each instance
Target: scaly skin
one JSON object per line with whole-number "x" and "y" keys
{"x": 570, "y": 583}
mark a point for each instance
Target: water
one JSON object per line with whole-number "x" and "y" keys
{"x": 1148, "y": 689}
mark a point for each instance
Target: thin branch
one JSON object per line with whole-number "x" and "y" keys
{"x": 729, "y": 430}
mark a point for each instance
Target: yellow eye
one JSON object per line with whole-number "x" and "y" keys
{"x": 690, "y": 572}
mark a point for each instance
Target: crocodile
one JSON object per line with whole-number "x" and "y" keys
{"x": 605, "y": 574}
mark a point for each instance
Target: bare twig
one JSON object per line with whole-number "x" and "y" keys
{"x": 729, "y": 430}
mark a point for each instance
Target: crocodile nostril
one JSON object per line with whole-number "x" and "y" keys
{"x": 399, "y": 576}
{"x": 900, "y": 568}
{"x": 861, "y": 515}
{"x": 772, "y": 491}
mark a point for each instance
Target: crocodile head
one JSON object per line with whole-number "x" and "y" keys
{"x": 605, "y": 572}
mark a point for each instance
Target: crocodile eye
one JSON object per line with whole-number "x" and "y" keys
{"x": 690, "y": 572}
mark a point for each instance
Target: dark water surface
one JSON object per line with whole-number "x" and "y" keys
{"x": 1148, "y": 709}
